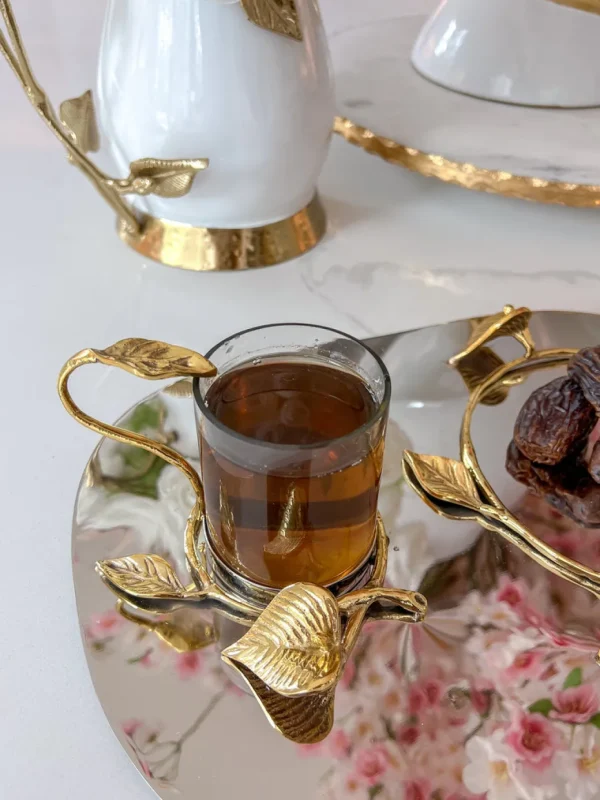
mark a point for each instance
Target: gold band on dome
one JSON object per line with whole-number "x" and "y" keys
{"x": 469, "y": 176}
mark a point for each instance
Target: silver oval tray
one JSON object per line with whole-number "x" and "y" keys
{"x": 407, "y": 700}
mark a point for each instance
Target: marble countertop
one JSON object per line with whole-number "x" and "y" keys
{"x": 402, "y": 251}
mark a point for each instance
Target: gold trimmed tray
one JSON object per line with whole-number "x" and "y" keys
{"x": 385, "y": 107}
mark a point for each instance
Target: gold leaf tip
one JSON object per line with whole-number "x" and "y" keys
{"x": 155, "y": 360}
{"x": 141, "y": 576}
{"x": 441, "y": 480}
{"x": 508, "y": 322}
{"x": 294, "y": 647}
{"x": 79, "y": 118}
{"x": 278, "y": 16}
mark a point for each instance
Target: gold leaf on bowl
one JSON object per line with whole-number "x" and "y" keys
{"x": 279, "y": 16}
{"x": 142, "y": 576}
{"x": 294, "y": 647}
{"x": 444, "y": 479}
{"x": 508, "y": 322}
{"x": 154, "y": 360}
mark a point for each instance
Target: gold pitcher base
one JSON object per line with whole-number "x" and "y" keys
{"x": 220, "y": 249}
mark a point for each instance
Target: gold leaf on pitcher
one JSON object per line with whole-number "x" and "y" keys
{"x": 443, "y": 479}
{"x": 279, "y": 16}
{"x": 294, "y": 647}
{"x": 79, "y": 118}
{"x": 147, "y": 358}
{"x": 142, "y": 576}
{"x": 162, "y": 177}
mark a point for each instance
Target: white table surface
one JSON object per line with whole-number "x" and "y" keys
{"x": 402, "y": 251}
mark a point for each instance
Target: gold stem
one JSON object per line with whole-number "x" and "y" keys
{"x": 19, "y": 63}
{"x": 118, "y": 434}
{"x": 539, "y": 551}
{"x": 156, "y": 448}
{"x": 357, "y": 617}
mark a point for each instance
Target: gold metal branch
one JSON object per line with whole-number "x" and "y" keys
{"x": 295, "y": 650}
{"x": 459, "y": 489}
{"x": 75, "y": 127}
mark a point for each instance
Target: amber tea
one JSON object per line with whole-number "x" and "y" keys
{"x": 303, "y": 505}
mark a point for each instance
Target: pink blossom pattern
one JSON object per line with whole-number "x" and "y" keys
{"x": 417, "y": 790}
{"x": 189, "y": 664}
{"x": 534, "y": 739}
{"x": 339, "y": 744}
{"x": 577, "y": 704}
{"x": 371, "y": 764}
{"x": 509, "y": 709}
{"x": 526, "y": 665}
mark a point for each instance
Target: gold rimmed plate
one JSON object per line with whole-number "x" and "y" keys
{"x": 548, "y": 155}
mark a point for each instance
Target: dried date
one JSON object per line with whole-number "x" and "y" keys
{"x": 554, "y": 421}
{"x": 566, "y": 486}
{"x": 594, "y": 462}
{"x": 521, "y": 468}
{"x": 584, "y": 368}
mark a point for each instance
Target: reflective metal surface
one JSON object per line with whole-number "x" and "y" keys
{"x": 504, "y": 665}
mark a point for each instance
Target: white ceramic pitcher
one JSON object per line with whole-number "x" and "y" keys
{"x": 246, "y": 84}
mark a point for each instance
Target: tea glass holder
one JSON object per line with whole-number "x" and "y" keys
{"x": 288, "y": 645}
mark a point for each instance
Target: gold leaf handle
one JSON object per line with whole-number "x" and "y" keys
{"x": 151, "y": 360}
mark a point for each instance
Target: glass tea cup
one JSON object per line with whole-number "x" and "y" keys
{"x": 291, "y": 433}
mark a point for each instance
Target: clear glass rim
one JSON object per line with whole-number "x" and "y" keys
{"x": 379, "y": 413}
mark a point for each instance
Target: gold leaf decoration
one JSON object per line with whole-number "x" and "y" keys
{"x": 290, "y": 534}
{"x": 477, "y": 367}
{"x": 294, "y": 647}
{"x": 182, "y": 388}
{"x": 508, "y": 322}
{"x": 79, "y": 118}
{"x": 147, "y": 358}
{"x": 307, "y": 719}
{"x": 184, "y": 631}
{"x": 279, "y": 16}
{"x": 185, "y": 639}
{"x": 162, "y": 177}
{"x": 444, "y": 479}
{"x": 142, "y": 576}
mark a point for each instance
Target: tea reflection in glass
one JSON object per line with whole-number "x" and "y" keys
{"x": 291, "y": 440}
